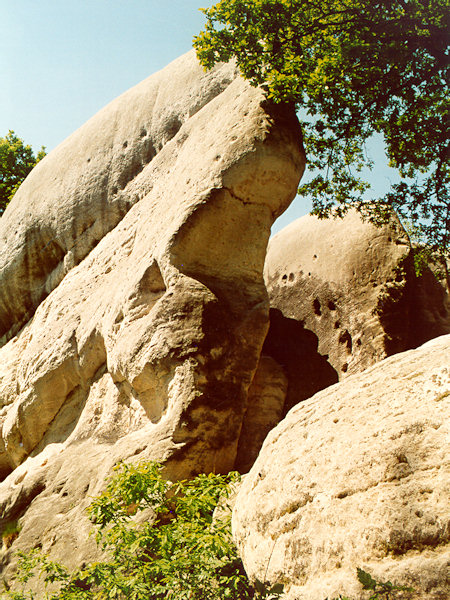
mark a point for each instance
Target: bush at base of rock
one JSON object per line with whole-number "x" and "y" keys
{"x": 162, "y": 540}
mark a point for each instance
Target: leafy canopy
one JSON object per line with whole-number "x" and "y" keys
{"x": 16, "y": 161}
{"x": 354, "y": 68}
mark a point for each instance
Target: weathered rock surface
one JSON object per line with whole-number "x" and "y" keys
{"x": 357, "y": 476}
{"x": 82, "y": 189}
{"x": 147, "y": 346}
{"x": 344, "y": 295}
{"x": 265, "y": 406}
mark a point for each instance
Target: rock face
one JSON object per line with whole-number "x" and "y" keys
{"x": 265, "y": 405}
{"x": 344, "y": 295}
{"x": 356, "y": 476}
{"x": 133, "y": 296}
{"x": 84, "y": 187}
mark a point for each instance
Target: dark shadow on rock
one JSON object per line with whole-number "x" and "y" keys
{"x": 430, "y": 310}
{"x": 296, "y": 350}
{"x": 414, "y": 313}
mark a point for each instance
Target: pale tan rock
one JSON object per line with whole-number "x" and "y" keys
{"x": 83, "y": 188}
{"x": 146, "y": 348}
{"x": 345, "y": 295}
{"x": 356, "y": 476}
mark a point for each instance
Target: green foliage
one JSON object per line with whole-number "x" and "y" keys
{"x": 180, "y": 551}
{"x": 16, "y": 161}
{"x": 381, "y": 590}
{"x": 10, "y": 532}
{"x": 425, "y": 256}
{"x": 354, "y": 68}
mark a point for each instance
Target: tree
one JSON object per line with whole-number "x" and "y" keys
{"x": 353, "y": 68}
{"x": 16, "y": 161}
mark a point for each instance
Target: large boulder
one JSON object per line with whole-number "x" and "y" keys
{"x": 356, "y": 476}
{"x": 344, "y": 294}
{"x": 82, "y": 189}
{"x": 145, "y": 349}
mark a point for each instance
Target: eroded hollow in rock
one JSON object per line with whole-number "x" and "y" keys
{"x": 296, "y": 350}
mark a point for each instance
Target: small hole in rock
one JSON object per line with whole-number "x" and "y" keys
{"x": 125, "y": 144}
{"x": 284, "y": 277}
{"x": 291, "y": 276}
{"x": 337, "y": 324}
{"x": 20, "y": 478}
{"x": 316, "y": 307}
{"x": 331, "y": 305}
{"x": 344, "y": 368}
{"x": 346, "y": 338}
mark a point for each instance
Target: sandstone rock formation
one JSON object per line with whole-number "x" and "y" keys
{"x": 265, "y": 406}
{"x": 344, "y": 295}
{"x": 357, "y": 476}
{"x": 133, "y": 296}
{"x": 85, "y": 186}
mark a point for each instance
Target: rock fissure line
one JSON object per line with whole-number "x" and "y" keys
{"x": 246, "y": 202}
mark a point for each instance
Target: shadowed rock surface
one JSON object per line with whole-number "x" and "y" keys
{"x": 265, "y": 406}
{"x": 356, "y": 476}
{"x": 145, "y": 342}
{"x": 352, "y": 287}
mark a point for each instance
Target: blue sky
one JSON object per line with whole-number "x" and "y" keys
{"x": 63, "y": 60}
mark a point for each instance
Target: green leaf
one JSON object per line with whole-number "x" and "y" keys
{"x": 260, "y": 587}
{"x": 366, "y": 580}
{"x": 353, "y": 69}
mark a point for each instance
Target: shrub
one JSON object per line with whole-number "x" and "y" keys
{"x": 10, "y": 533}
{"x": 179, "y": 549}
{"x": 181, "y": 552}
